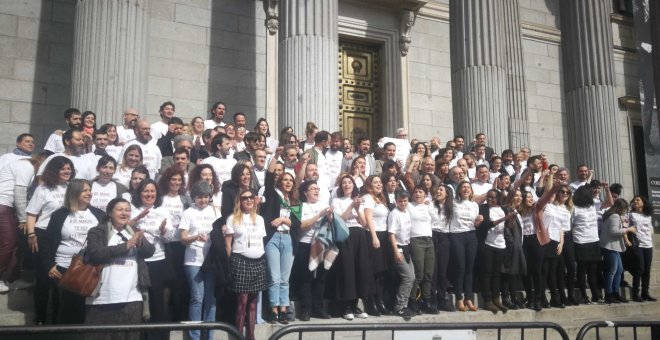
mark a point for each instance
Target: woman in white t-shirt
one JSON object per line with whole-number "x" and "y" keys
{"x": 640, "y": 216}
{"x": 244, "y": 239}
{"x": 375, "y": 211}
{"x": 463, "y": 242}
{"x": 148, "y": 216}
{"x": 114, "y": 147}
{"x": 441, "y": 215}
{"x": 353, "y": 266}
{"x": 132, "y": 159}
{"x": 47, "y": 198}
{"x": 121, "y": 250}
{"x": 172, "y": 184}
{"x": 585, "y": 241}
{"x": 104, "y": 187}
{"x": 196, "y": 225}
{"x": 65, "y": 236}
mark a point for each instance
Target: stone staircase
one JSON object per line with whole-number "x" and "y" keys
{"x": 16, "y": 308}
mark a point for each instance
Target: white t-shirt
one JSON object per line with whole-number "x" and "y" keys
{"x": 17, "y": 173}
{"x": 528, "y": 224}
{"x": 123, "y": 176}
{"x": 379, "y": 212}
{"x": 248, "y": 236}
{"x": 402, "y": 147}
{"x": 399, "y": 223}
{"x": 10, "y": 158}
{"x": 210, "y": 124}
{"x": 420, "y": 217}
{"x": 333, "y": 162}
{"x": 310, "y": 210}
{"x": 644, "y": 225}
{"x": 575, "y": 185}
{"x": 74, "y": 234}
{"x": 555, "y": 217}
{"x": 585, "y": 225}
{"x": 198, "y": 222}
{"x": 103, "y": 194}
{"x": 151, "y": 155}
{"x": 495, "y": 235}
{"x": 481, "y": 188}
{"x": 465, "y": 213}
{"x": 438, "y": 220}
{"x": 340, "y": 204}
{"x": 113, "y": 151}
{"x": 222, "y": 167}
{"x": 158, "y": 130}
{"x": 54, "y": 143}
{"x": 150, "y": 224}
{"x": 119, "y": 278}
{"x": 125, "y": 135}
{"x": 44, "y": 202}
{"x": 174, "y": 207}
{"x": 82, "y": 164}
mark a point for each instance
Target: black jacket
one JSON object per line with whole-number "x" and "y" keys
{"x": 271, "y": 210}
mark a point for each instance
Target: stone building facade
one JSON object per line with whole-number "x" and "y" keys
{"x": 282, "y": 59}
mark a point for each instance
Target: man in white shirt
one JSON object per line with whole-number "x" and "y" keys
{"x": 221, "y": 161}
{"x": 334, "y": 155}
{"x": 583, "y": 177}
{"x": 151, "y": 156}
{"x": 459, "y": 140}
{"x": 73, "y": 119}
{"x": 73, "y": 150}
{"x": 125, "y": 132}
{"x": 24, "y": 148}
{"x": 481, "y": 186}
{"x": 217, "y": 116}
{"x": 363, "y": 149}
{"x": 159, "y": 129}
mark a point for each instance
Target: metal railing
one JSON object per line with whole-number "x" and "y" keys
{"x": 397, "y": 327}
{"x": 15, "y": 332}
{"x": 616, "y": 326}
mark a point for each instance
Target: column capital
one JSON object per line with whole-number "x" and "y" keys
{"x": 272, "y": 9}
{"x": 405, "y": 30}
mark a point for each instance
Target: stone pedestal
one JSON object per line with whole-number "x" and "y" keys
{"x": 515, "y": 80}
{"x": 479, "y": 70}
{"x": 593, "y": 119}
{"x": 308, "y": 48}
{"x": 110, "y": 57}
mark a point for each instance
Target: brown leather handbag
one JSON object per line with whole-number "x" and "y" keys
{"x": 81, "y": 278}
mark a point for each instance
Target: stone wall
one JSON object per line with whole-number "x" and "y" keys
{"x": 36, "y": 39}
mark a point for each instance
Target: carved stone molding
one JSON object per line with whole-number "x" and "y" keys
{"x": 272, "y": 9}
{"x": 405, "y": 30}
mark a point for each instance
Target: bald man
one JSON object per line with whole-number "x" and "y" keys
{"x": 125, "y": 132}
{"x": 150, "y": 151}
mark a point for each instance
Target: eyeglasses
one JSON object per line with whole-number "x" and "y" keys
{"x": 246, "y": 198}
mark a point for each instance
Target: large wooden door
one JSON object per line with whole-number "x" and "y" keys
{"x": 359, "y": 92}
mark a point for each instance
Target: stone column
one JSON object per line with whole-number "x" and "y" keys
{"x": 654, "y": 14}
{"x": 593, "y": 119}
{"x": 308, "y": 48}
{"x": 515, "y": 81}
{"x": 479, "y": 73}
{"x": 110, "y": 57}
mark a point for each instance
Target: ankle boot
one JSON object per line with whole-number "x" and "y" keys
{"x": 609, "y": 298}
{"x": 646, "y": 296}
{"x": 382, "y": 308}
{"x": 490, "y": 306}
{"x": 508, "y": 303}
{"x": 555, "y": 300}
{"x": 498, "y": 303}
{"x": 444, "y": 304}
{"x": 460, "y": 306}
{"x": 620, "y": 298}
{"x": 370, "y": 306}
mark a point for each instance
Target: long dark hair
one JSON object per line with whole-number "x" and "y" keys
{"x": 164, "y": 180}
{"x": 137, "y": 201}
{"x": 447, "y": 207}
{"x": 582, "y": 197}
{"x": 648, "y": 209}
{"x": 196, "y": 175}
{"x": 340, "y": 190}
{"x": 51, "y": 175}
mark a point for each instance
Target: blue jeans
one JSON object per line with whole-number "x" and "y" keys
{"x": 279, "y": 257}
{"x": 612, "y": 269}
{"x": 202, "y": 299}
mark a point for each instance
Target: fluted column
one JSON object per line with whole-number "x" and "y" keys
{"x": 654, "y": 16}
{"x": 593, "y": 121}
{"x": 479, "y": 73}
{"x": 515, "y": 81}
{"x": 110, "y": 57}
{"x": 308, "y": 47}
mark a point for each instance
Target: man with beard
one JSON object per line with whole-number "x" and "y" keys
{"x": 290, "y": 159}
{"x": 456, "y": 176}
{"x": 73, "y": 150}
{"x": 584, "y": 176}
{"x": 24, "y": 148}
{"x": 73, "y": 119}
{"x": 334, "y": 155}
{"x": 217, "y": 116}
{"x": 125, "y": 132}
{"x": 459, "y": 147}
{"x": 151, "y": 156}
{"x": 165, "y": 143}
{"x": 221, "y": 160}
{"x": 363, "y": 148}
{"x": 507, "y": 162}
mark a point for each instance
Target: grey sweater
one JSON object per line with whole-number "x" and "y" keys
{"x": 611, "y": 234}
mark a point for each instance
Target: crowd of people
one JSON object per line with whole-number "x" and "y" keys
{"x": 212, "y": 221}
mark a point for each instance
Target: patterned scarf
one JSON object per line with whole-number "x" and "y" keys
{"x": 20, "y": 152}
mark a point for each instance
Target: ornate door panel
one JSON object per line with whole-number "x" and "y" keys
{"x": 359, "y": 91}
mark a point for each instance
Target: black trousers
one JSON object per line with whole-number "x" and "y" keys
{"x": 310, "y": 285}
{"x": 549, "y": 270}
{"x": 643, "y": 260}
{"x": 71, "y": 307}
{"x": 43, "y": 288}
{"x": 535, "y": 256}
{"x": 491, "y": 267}
{"x": 566, "y": 268}
{"x": 158, "y": 271}
{"x": 440, "y": 281}
{"x": 179, "y": 292}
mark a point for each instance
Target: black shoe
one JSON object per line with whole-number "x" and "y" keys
{"x": 544, "y": 303}
{"x": 637, "y": 298}
{"x": 414, "y": 307}
{"x": 575, "y": 301}
{"x": 405, "y": 313}
{"x": 382, "y": 309}
{"x": 446, "y": 305}
{"x": 429, "y": 307}
{"x": 648, "y": 297}
{"x": 282, "y": 318}
{"x": 620, "y": 298}
{"x": 321, "y": 314}
{"x": 537, "y": 306}
{"x": 609, "y": 298}
{"x": 508, "y": 303}
{"x": 370, "y": 307}
{"x": 585, "y": 301}
{"x": 555, "y": 303}
{"x": 304, "y": 316}
{"x": 624, "y": 283}
{"x": 272, "y": 317}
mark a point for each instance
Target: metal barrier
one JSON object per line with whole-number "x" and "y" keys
{"x": 16, "y": 331}
{"x": 615, "y": 325}
{"x": 394, "y": 327}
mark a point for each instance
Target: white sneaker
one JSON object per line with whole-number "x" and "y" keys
{"x": 359, "y": 313}
{"x": 348, "y": 314}
{"x": 3, "y": 287}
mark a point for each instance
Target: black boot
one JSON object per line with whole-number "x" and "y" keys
{"x": 555, "y": 301}
{"x": 508, "y": 303}
{"x": 370, "y": 306}
{"x": 620, "y": 298}
{"x": 382, "y": 308}
{"x": 646, "y": 296}
{"x": 414, "y": 307}
{"x": 635, "y": 295}
{"x": 609, "y": 298}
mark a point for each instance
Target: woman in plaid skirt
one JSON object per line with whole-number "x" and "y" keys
{"x": 244, "y": 239}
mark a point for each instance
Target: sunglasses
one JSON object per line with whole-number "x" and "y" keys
{"x": 564, "y": 192}
{"x": 245, "y": 198}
